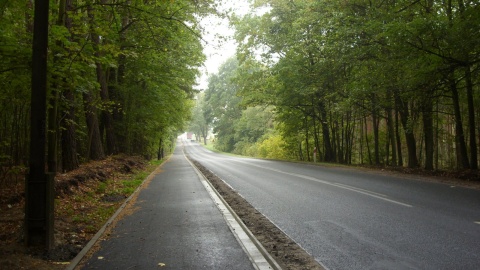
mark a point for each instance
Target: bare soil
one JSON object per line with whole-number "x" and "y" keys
{"x": 87, "y": 197}
{"x": 286, "y": 252}
{"x": 84, "y": 199}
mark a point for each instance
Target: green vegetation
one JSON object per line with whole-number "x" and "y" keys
{"x": 94, "y": 202}
{"x": 390, "y": 83}
{"x": 130, "y": 185}
{"x": 120, "y": 78}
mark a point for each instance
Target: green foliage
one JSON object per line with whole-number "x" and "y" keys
{"x": 199, "y": 124}
{"x": 350, "y": 77}
{"x": 131, "y": 65}
{"x": 222, "y": 105}
{"x": 251, "y": 127}
{"x": 272, "y": 147}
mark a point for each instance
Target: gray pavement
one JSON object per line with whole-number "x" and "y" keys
{"x": 175, "y": 225}
{"x": 358, "y": 219}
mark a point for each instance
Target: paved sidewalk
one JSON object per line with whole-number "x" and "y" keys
{"x": 175, "y": 225}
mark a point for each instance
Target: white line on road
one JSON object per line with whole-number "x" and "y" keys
{"x": 477, "y": 222}
{"x": 343, "y": 186}
{"x": 258, "y": 255}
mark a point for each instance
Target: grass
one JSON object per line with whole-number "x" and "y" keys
{"x": 102, "y": 187}
{"x": 209, "y": 146}
{"x": 88, "y": 211}
{"x": 129, "y": 186}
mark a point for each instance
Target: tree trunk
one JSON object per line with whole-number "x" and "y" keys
{"x": 471, "y": 120}
{"x": 107, "y": 117}
{"x": 329, "y": 154}
{"x": 459, "y": 135}
{"x": 307, "y": 138}
{"x": 52, "y": 131}
{"x": 68, "y": 141}
{"x": 95, "y": 147}
{"x": 376, "y": 140}
{"x": 391, "y": 136}
{"x": 315, "y": 131}
{"x": 161, "y": 151}
{"x": 398, "y": 140}
{"x": 428, "y": 133}
{"x": 403, "y": 110}
{"x": 361, "y": 140}
{"x": 53, "y": 98}
{"x": 300, "y": 152}
{"x": 367, "y": 141}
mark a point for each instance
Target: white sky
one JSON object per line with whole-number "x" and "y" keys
{"x": 216, "y": 48}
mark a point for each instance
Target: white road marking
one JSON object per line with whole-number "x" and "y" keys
{"x": 343, "y": 186}
{"x": 477, "y": 222}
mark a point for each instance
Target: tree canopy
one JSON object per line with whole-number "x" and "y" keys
{"x": 376, "y": 82}
{"x": 120, "y": 77}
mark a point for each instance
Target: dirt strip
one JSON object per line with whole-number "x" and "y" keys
{"x": 285, "y": 251}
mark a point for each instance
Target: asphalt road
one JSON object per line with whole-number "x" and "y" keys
{"x": 350, "y": 219}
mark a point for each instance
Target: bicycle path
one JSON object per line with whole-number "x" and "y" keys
{"x": 175, "y": 225}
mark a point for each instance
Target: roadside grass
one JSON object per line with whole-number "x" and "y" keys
{"x": 97, "y": 201}
{"x": 210, "y": 146}
{"x": 84, "y": 200}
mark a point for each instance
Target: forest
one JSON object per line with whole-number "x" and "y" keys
{"x": 390, "y": 83}
{"x": 120, "y": 78}
{"x": 383, "y": 83}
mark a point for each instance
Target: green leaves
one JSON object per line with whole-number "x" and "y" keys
{"x": 135, "y": 62}
{"x": 320, "y": 62}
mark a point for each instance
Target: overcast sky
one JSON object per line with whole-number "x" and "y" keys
{"x": 217, "y": 49}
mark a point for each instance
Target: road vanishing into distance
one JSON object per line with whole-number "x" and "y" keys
{"x": 350, "y": 219}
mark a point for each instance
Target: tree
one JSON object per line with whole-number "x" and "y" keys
{"x": 355, "y": 69}
{"x": 222, "y": 98}
{"x": 102, "y": 54}
{"x": 199, "y": 124}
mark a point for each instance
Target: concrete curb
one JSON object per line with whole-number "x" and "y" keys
{"x": 257, "y": 262}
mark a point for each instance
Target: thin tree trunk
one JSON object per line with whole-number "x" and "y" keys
{"x": 52, "y": 132}
{"x": 107, "y": 117}
{"x": 161, "y": 151}
{"x": 471, "y": 120}
{"x": 68, "y": 141}
{"x": 367, "y": 142}
{"x": 53, "y": 99}
{"x": 398, "y": 140}
{"x": 95, "y": 147}
{"x": 361, "y": 141}
{"x": 300, "y": 152}
{"x": 403, "y": 109}
{"x": 329, "y": 154}
{"x": 307, "y": 138}
{"x": 459, "y": 135}
{"x": 376, "y": 140}
{"x": 428, "y": 133}
{"x": 391, "y": 136}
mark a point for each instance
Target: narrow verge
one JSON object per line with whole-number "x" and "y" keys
{"x": 285, "y": 251}
{"x": 259, "y": 257}
{"x": 91, "y": 246}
